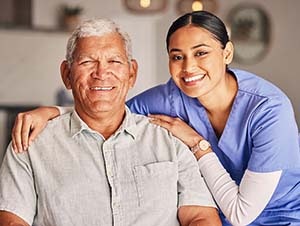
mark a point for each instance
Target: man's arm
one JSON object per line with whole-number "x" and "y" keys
{"x": 198, "y": 216}
{"x": 10, "y": 219}
{"x": 195, "y": 202}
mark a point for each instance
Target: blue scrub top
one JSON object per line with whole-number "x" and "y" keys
{"x": 261, "y": 135}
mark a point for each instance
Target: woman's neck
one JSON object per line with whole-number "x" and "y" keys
{"x": 218, "y": 103}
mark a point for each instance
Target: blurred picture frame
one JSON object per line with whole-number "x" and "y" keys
{"x": 250, "y": 28}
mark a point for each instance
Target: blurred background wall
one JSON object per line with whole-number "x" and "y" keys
{"x": 30, "y": 53}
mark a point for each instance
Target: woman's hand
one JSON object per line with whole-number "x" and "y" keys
{"x": 29, "y": 124}
{"x": 178, "y": 128}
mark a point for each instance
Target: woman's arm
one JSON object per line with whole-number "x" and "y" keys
{"x": 10, "y": 219}
{"x": 198, "y": 215}
{"x": 30, "y": 123}
{"x": 240, "y": 204}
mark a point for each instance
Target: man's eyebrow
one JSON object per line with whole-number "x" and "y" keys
{"x": 116, "y": 55}
{"x": 193, "y": 47}
{"x": 84, "y": 56}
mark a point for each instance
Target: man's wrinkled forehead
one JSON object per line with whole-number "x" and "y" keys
{"x": 96, "y": 47}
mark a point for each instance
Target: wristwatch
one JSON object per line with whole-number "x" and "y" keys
{"x": 203, "y": 145}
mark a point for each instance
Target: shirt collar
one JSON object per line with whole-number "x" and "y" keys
{"x": 129, "y": 124}
{"x": 77, "y": 125}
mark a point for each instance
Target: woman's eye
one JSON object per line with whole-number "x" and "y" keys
{"x": 177, "y": 57}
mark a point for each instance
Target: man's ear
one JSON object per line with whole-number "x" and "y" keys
{"x": 228, "y": 52}
{"x": 65, "y": 74}
{"x": 133, "y": 72}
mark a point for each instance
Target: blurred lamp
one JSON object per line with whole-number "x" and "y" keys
{"x": 146, "y": 6}
{"x": 185, "y": 6}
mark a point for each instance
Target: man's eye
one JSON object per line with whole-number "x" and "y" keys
{"x": 115, "y": 61}
{"x": 86, "y": 62}
{"x": 200, "y": 53}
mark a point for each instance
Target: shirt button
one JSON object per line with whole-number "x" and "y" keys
{"x": 109, "y": 173}
{"x": 116, "y": 205}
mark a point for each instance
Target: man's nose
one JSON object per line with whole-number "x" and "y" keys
{"x": 100, "y": 70}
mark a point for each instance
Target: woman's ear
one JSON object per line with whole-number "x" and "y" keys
{"x": 133, "y": 72}
{"x": 65, "y": 74}
{"x": 228, "y": 52}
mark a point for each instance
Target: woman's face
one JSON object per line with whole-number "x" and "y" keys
{"x": 197, "y": 62}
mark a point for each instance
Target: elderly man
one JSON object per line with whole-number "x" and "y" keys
{"x": 102, "y": 164}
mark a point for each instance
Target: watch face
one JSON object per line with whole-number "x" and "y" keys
{"x": 204, "y": 145}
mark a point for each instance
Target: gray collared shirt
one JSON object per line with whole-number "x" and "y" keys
{"x": 72, "y": 176}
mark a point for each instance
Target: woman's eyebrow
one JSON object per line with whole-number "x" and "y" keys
{"x": 200, "y": 45}
{"x": 175, "y": 50}
{"x": 193, "y": 47}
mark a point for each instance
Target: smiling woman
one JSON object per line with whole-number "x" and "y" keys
{"x": 237, "y": 115}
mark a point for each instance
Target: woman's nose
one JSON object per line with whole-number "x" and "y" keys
{"x": 189, "y": 65}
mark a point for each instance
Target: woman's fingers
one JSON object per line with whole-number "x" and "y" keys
{"x": 16, "y": 133}
{"x": 162, "y": 117}
{"x": 29, "y": 124}
{"x": 177, "y": 127}
{"x": 163, "y": 121}
{"x": 26, "y": 127}
{"x": 20, "y": 132}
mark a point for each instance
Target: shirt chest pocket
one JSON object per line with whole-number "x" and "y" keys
{"x": 157, "y": 184}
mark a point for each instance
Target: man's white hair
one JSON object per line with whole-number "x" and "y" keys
{"x": 96, "y": 27}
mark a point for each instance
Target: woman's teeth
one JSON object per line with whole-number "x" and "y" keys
{"x": 194, "y": 78}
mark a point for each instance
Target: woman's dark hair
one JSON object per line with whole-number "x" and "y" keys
{"x": 204, "y": 20}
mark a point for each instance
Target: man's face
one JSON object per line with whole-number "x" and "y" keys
{"x": 100, "y": 75}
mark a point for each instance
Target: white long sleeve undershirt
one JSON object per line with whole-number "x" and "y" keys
{"x": 240, "y": 204}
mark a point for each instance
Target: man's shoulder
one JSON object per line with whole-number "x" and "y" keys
{"x": 146, "y": 128}
{"x": 142, "y": 122}
{"x": 59, "y": 121}
{"x": 57, "y": 125}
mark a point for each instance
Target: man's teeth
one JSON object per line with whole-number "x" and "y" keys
{"x": 101, "y": 88}
{"x": 194, "y": 78}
